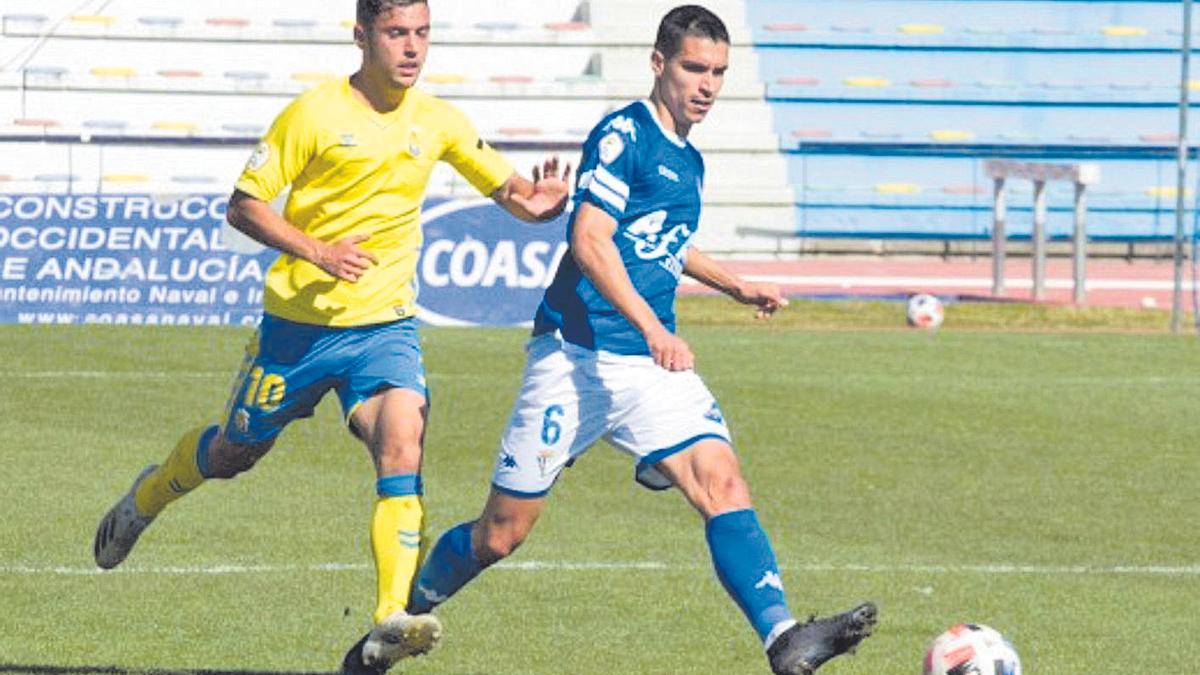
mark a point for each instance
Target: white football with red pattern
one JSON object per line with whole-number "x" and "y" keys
{"x": 924, "y": 311}
{"x": 971, "y": 649}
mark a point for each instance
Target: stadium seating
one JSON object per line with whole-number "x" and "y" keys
{"x": 863, "y": 119}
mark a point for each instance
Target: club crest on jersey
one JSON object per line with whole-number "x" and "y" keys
{"x": 414, "y": 142}
{"x": 347, "y": 141}
{"x": 611, "y": 147}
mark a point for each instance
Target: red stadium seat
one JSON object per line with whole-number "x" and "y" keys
{"x": 567, "y": 26}
{"x": 35, "y": 122}
{"x": 965, "y": 190}
{"x": 785, "y": 27}
{"x": 228, "y": 22}
{"x": 812, "y": 133}
{"x": 180, "y": 73}
{"x": 519, "y": 131}
{"x": 511, "y": 79}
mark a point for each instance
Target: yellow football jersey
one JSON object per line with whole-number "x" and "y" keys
{"x": 356, "y": 171}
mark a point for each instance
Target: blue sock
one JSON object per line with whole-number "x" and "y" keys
{"x": 202, "y": 451}
{"x": 746, "y": 566}
{"x": 450, "y": 566}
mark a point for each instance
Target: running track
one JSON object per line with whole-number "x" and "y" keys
{"x": 1110, "y": 283}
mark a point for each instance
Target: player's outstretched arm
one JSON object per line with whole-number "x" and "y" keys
{"x": 542, "y": 199}
{"x": 598, "y": 258}
{"x": 343, "y": 259}
{"x": 767, "y": 298}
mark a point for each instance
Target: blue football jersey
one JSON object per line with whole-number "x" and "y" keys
{"x": 649, "y": 180}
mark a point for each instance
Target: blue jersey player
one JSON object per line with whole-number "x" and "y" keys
{"x": 605, "y": 362}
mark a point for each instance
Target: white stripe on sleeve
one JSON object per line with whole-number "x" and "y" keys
{"x": 612, "y": 182}
{"x": 607, "y": 195}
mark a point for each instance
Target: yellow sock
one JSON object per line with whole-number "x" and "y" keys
{"x": 177, "y": 476}
{"x": 397, "y": 529}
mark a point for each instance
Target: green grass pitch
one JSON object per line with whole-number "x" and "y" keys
{"x": 1042, "y": 483}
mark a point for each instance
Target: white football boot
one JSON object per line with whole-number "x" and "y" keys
{"x": 399, "y": 636}
{"x": 120, "y": 528}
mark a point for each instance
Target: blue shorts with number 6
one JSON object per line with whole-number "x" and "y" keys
{"x": 290, "y": 366}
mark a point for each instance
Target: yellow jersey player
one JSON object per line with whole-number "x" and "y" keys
{"x": 340, "y": 300}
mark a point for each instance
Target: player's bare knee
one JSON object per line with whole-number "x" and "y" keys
{"x": 393, "y": 458}
{"x": 729, "y": 492}
{"x": 494, "y": 542}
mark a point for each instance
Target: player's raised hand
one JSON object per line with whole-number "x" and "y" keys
{"x": 550, "y": 190}
{"x": 345, "y": 259}
{"x": 767, "y": 299}
{"x": 671, "y": 351}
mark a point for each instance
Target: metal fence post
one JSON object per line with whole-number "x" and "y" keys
{"x": 998, "y": 236}
{"x": 1039, "y": 240}
{"x": 1080, "y": 243}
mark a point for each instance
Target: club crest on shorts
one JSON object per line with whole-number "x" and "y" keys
{"x": 545, "y": 460}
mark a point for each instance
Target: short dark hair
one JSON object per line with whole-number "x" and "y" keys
{"x": 368, "y": 10}
{"x": 688, "y": 20}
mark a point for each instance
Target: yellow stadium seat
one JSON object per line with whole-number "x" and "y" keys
{"x": 175, "y": 125}
{"x": 866, "y": 81}
{"x": 125, "y": 178}
{"x": 96, "y": 19}
{"x": 922, "y": 28}
{"x": 1166, "y": 192}
{"x": 1193, "y": 85}
{"x": 897, "y": 188}
{"x": 1124, "y": 31}
{"x": 348, "y": 23}
{"x": 567, "y": 26}
{"x": 951, "y": 135}
{"x": 113, "y": 71}
{"x": 445, "y": 78}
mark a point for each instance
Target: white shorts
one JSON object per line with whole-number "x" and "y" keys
{"x": 571, "y": 397}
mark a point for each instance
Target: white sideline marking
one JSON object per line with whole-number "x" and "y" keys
{"x": 861, "y": 281}
{"x": 586, "y": 566}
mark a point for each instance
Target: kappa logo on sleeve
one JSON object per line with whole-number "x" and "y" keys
{"x": 259, "y": 158}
